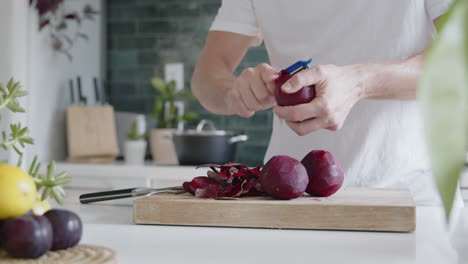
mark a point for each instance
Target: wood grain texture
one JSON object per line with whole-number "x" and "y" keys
{"x": 91, "y": 131}
{"x": 349, "y": 209}
{"x": 77, "y": 255}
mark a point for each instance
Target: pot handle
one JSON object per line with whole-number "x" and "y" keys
{"x": 239, "y": 138}
{"x": 205, "y": 123}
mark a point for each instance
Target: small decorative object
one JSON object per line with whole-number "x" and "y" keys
{"x": 53, "y": 16}
{"x": 168, "y": 116}
{"x": 135, "y": 146}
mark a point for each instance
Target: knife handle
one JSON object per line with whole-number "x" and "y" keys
{"x": 107, "y": 195}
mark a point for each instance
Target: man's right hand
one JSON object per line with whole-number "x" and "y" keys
{"x": 253, "y": 90}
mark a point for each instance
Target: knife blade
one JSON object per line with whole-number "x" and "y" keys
{"x": 123, "y": 193}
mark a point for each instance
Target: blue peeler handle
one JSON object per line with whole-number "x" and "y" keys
{"x": 300, "y": 65}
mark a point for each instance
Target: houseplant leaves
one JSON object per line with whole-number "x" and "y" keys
{"x": 443, "y": 93}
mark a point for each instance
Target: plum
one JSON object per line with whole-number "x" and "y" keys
{"x": 27, "y": 236}
{"x": 1, "y": 225}
{"x": 284, "y": 178}
{"x": 325, "y": 173}
{"x": 67, "y": 228}
{"x": 304, "y": 95}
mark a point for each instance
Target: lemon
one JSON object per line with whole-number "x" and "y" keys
{"x": 40, "y": 206}
{"x": 17, "y": 191}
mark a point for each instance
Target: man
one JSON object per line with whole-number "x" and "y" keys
{"x": 368, "y": 56}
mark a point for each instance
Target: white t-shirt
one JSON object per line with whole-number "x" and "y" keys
{"x": 382, "y": 142}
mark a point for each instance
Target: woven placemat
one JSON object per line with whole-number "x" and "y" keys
{"x": 80, "y": 254}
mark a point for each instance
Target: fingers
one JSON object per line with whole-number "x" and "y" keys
{"x": 308, "y": 77}
{"x": 255, "y": 87}
{"x": 264, "y": 96}
{"x": 247, "y": 93}
{"x": 298, "y": 113}
{"x": 235, "y": 102}
{"x": 268, "y": 75}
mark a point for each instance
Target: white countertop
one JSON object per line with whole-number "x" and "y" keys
{"x": 110, "y": 224}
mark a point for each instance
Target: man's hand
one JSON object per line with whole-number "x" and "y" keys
{"x": 253, "y": 90}
{"x": 337, "y": 90}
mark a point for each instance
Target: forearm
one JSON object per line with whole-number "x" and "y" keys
{"x": 210, "y": 85}
{"x": 394, "y": 80}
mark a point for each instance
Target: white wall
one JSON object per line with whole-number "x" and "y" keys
{"x": 26, "y": 55}
{"x": 49, "y": 73}
{"x": 13, "y": 56}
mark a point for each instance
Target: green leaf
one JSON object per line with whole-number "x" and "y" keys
{"x": 190, "y": 116}
{"x": 23, "y": 132}
{"x": 10, "y": 84}
{"x": 133, "y": 135}
{"x": 187, "y": 95}
{"x": 20, "y": 160}
{"x": 27, "y": 140}
{"x": 2, "y": 89}
{"x": 159, "y": 85}
{"x": 21, "y": 93}
{"x": 443, "y": 92}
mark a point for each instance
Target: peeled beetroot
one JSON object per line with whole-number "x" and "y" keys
{"x": 325, "y": 173}
{"x": 284, "y": 178}
{"x": 304, "y": 95}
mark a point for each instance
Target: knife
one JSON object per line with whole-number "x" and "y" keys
{"x": 81, "y": 98}
{"x": 96, "y": 91}
{"x": 123, "y": 193}
{"x": 72, "y": 92}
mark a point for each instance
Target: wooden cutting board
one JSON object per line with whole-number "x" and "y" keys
{"x": 349, "y": 209}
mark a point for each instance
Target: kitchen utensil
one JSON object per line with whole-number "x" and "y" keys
{"x": 96, "y": 91}
{"x": 205, "y": 144}
{"x": 123, "y": 193}
{"x": 82, "y": 99}
{"x": 349, "y": 209}
{"x": 72, "y": 92}
{"x": 298, "y": 66}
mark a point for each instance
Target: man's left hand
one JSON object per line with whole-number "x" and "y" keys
{"x": 337, "y": 90}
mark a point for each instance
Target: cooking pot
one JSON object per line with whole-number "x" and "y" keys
{"x": 205, "y": 144}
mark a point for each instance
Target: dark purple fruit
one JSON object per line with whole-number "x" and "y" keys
{"x": 67, "y": 228}
{"x": 325, "y": 173}
{"x": 304, "y": 95}
{"x": 1, "y": 240}
{"x": 283, "y": 177}
{"x": 27, "y": 236}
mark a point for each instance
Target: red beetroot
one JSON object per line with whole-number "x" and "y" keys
{"x": 305, "y": 95}
{"x": 325, "y": 173}
{"x": 284, "y": 178}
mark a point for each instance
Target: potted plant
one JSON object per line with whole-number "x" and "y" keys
{"x": 135, "y": 146}
{"x": 444, "y": 99}
{"x": 169, "y": 115}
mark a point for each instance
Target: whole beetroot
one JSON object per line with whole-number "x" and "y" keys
{"x": 284, "y": 178}
{"x": 325, "y": 173}
{"x": 304, "y": 95}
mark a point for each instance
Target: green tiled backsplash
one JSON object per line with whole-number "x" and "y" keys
{"x": 143, "y": 35}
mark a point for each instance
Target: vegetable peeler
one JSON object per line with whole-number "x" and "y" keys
{"x": 298, "y": 66}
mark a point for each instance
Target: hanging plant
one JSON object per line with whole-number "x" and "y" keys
{"x": 54, "y": 17}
